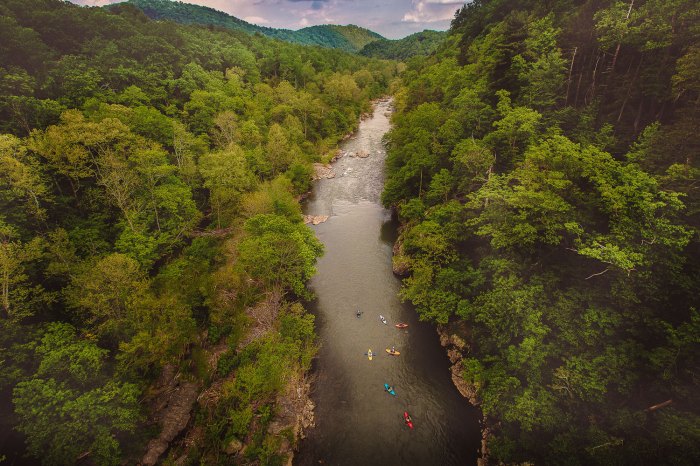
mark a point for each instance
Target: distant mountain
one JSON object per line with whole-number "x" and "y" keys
{"x": 420, "y": 43}
{"x": 350, "y": 38}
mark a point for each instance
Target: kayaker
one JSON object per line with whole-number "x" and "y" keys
{"x": 393, "y": 349}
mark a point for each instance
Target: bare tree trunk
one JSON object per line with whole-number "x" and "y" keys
{"x": 629, "y": 89}
{"x": 591, "y": 90}
{"x": 659, "y": 406}
{"x": 578, "y": 87}
{"x": 420, "y": 186}
{"x": 617, "y": 49}
{"x": 639, "y": 116}
{"x": 568, "y": 83}
{"x": 6, "y": 292}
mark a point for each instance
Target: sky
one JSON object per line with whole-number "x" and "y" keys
{"x": 391, "y": 18}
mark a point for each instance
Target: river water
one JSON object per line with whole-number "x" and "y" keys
{"x": 357, "y": 422}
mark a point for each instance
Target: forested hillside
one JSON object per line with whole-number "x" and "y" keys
{"x": 418, "y": 44}
{"x": 152, "y": 251}
{"x": 350, "y": 38}
{"x": 544, "y": 164}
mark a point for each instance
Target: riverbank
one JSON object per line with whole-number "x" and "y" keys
{"x": 454, "y": 338}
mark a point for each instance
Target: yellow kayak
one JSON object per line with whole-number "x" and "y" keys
{"x": 369, "y": 354}
{"x": 393, "y": 353}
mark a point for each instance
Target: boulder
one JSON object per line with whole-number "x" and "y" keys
{"x": 315, "y": 219}
{"x": 323, "y": 171}
{"x": 173, "y": 420}
{"x": 233, "y": 447}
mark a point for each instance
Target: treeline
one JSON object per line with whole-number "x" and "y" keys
{"x": 419, "y": 44}
{"x": 150, "y": 228}
{"x": 350, "y": 38}
{"x": 544, "y": 165}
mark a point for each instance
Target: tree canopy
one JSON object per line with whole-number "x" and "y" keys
{"x": 542, "y": 163}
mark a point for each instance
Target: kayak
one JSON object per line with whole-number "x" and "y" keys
{"x": 369, "y": 354}
{"x": 407, "y": 419}
{"x": 389, "y": 389}
{"x": 381, "y": 317}
{"x": 358, "y": 313}
{"x": 393, "y": 353}
{"x": 401, "y": 325}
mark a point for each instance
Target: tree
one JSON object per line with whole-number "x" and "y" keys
{"x": 69, "y": 409}
{"x": 18, "y": 296}
{"x": 164, "y": 328}
{"x": 279, "y": 253}
{"x": 541, "y": 67}
{"x": 106, "y": 295}
{"x": 21, "y": 178}
{"x": 226, "y": 177}
{"x": 278, "y": 150}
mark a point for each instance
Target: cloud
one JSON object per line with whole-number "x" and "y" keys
{"x": 431, "y": 11}
{"x": 256, "y": 20}
{"x": 314, "y": 4}
{"x": 95, "y": 2}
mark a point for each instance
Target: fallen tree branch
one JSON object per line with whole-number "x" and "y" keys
{"x": 659, "y": 406}
{"x": 599, "y": 273}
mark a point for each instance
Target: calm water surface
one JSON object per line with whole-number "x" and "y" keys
{"x": 357, "y": 422}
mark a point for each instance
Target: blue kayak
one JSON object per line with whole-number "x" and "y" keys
{"x": 389, "y": 389}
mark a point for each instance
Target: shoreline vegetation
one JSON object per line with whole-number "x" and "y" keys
{"x": 543, "y": 167}
{"x": 152, "y": 247}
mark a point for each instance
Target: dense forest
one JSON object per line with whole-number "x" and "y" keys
{"x": 418, "y": 44}
{"x": 152, "y": 252}
{"x": 544, "y": 164}
{"x": 349, "y": 38}
{"x": 153, "y": 258}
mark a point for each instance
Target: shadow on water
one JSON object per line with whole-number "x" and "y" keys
{"x": 357, "y": 422}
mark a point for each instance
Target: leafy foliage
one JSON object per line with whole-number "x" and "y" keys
{"x": 546, "y": 194}
{"x": 149, "y": 182}
{"x": 418, "y": 44}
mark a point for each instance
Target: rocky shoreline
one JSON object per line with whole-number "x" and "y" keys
{"x": 454, "y": 337}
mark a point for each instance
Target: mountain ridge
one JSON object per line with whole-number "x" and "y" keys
{"x": 349, "y": 37}
{"x": 420, "y": 43}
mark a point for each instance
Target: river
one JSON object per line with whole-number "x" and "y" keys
{"x": 357, "y": 422}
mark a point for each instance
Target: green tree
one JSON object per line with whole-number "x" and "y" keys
{"x": 279, "y": 253}
{"x": 18, "y": 295}
{"x": 69, "y": 409}
{"x": 106, "y": 295}
{"x": 225, "y": 175}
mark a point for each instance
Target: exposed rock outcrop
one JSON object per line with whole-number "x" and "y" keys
{"x": 361, "y": 154}
{"x": 295, "y": 413}
{"x": 233, "y": 447}
{"x": 172, "y": 407}
{"x": 323, "y": 171}
{"x": 315, "y": 219}
{"x": 400, "y": 263}
{"x": 454, "y": 337}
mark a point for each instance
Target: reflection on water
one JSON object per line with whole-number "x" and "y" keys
{"x": 357, "y": 422}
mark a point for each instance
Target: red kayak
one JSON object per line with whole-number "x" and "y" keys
{"x": 407, "y": 419}
{"x": 401, "y": 325}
